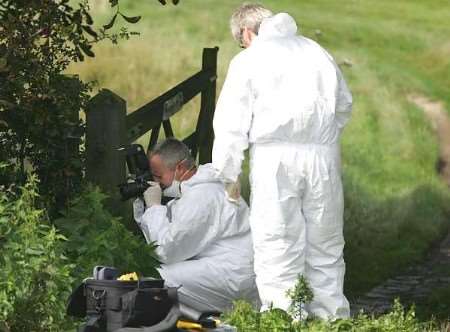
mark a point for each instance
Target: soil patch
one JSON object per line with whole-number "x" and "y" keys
{"x": 439, "y": 118}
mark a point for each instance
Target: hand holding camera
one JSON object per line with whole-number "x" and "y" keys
{"x": 152, "y": 195}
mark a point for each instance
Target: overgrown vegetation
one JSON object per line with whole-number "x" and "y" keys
{"x": 39, "y": 105}
{"x": 39, "y": 127}
{"x": 96, "y": 237}
{"x": 41, "y": 134}
{"x": 40, "y": 263}
{"x": 35, "y": 274}
{"x": 246, "y": 319}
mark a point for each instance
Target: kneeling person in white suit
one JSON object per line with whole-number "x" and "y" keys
{"x": 203, "y": 239}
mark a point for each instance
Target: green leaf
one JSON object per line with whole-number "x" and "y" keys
{"x": 80, "y": 55}
{"x": 31, "y": 251}
{"x": 87, "y": 50}
{"x": 111, "y": 23}
{"x": 89, "y": 19}
{"x": 77, "y": 17}
{"x": 133, "y": 19}
{"x": 89, "y": 30}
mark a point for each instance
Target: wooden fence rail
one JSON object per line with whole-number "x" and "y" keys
{"x": 108, "y": 127}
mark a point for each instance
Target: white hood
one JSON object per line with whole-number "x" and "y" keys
{"x": 205, "y": 174}
{"x": 279, "y": 25}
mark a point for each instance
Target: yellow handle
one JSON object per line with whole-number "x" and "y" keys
{"x": 181, "y": 324}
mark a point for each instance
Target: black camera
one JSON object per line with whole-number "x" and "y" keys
{"x": 139, "y": 172}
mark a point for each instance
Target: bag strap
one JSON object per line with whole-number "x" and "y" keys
{"x": 168, "y": 323}
{"x": 94, "y": 316}
{"x": 172, "y": 293}
{"x": 100, "y": 300}
{"x": 92, "y": 324}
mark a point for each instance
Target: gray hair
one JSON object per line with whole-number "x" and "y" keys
{"x": 249, "y": 16}
{"x": 172, "y": 151}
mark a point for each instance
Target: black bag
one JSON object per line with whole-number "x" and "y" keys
{"x": 146, "y": 306}
{"x": 111, "y": 305}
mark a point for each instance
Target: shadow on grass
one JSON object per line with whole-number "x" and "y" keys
{"x": 383, "y": 237}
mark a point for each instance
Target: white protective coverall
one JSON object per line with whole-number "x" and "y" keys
{"x": 204, "y": 243}
{"x": 285, "y": 97}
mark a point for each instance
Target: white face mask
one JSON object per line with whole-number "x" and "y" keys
{"x": 174, "y": 190}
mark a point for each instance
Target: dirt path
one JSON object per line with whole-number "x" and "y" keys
{"x": 440, "y": 121}
{"x": 420, "y": 280}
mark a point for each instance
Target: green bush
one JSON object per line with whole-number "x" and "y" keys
{"x": 35, "y": 278}
{"x": 39, "y": 266}
{"x": 38, "y": 41}
{"x": 95, "y": 237}
{"x": 246, "y": 319}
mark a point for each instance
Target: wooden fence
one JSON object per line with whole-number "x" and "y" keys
{"x": 109, "y": 127}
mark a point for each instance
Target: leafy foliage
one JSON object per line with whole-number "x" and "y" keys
{"x": 300, "y": 295}
{"x": 95, "y": 237}
{"x": 39, "y": 266}
{"x": 39, "y": 107}
{"x": 35, "y": 278}
{"x": 39, "y": 124}
{"x": 245, "y": 318}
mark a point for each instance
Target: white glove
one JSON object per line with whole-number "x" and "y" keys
{"x": 152, "y": 196}
{"x": 233, "y": 191}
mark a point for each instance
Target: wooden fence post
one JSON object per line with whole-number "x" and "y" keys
{"x": 205, "y": 134}
{"x": 105, "y": 133}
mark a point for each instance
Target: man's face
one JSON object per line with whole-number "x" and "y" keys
{"x": 161, "y": 173}
{"x": 247, "y": 36}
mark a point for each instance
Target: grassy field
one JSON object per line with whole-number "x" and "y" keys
{"x": 395, "y": 205}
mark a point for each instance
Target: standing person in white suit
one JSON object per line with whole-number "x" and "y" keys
{"x": 285, "y": 98}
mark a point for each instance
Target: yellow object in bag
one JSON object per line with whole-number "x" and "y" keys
{"x": 129, "y": 277}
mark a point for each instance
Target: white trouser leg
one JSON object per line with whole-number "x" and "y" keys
{"x": 325, "y": 267}
{"x": 279, "y": 251}
{"x": 278, "y": 231}
{"x": 297, "y": 223}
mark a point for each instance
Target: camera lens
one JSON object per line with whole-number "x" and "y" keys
{"x": 132, "y": 189}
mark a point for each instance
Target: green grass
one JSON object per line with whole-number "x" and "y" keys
{"x": 395, "y": 205}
